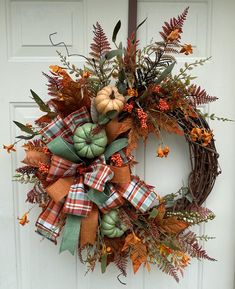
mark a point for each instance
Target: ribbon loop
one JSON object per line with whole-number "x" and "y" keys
{"x": 61, "y": 168}
{"x": 77, "y": 202}
{"x": 138, "y": 193}
{"x": 99, "y": 175}
{"x": 65, "y": 127}
{"x": 58, "y": 146}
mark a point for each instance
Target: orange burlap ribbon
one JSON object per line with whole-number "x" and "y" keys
{"x": 89, "y": 227}
{"x": 122, "y": 175}
{"x": 59, "y": 189}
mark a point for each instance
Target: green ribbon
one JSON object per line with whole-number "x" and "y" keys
{"x": 115, "y": 146}
{"x": 99, "y": 198}
{"x": 62, "y": 148}
{"x": 71, "y": 234}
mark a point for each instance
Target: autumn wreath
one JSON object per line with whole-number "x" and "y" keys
{"x": 79, "y": 154}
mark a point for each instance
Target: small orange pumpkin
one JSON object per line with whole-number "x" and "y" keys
{"x": 108, "y": 99}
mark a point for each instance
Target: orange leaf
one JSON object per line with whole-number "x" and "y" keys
{"x": 130, "y": 240}
{"x": 43, "y": 119}
{"x": 138, "y": 256}
{"x": 147, "y": 265}
{"x": 161, "y": 210}
{"x": 133, "y": 138}
{"x": 115, "y": 128}
{"x": 34, "y": 158}
{"x": 173, "y": 225}
{"x": 167, "y": 123}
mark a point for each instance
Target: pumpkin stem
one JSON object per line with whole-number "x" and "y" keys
{"x": 112, "y": 95}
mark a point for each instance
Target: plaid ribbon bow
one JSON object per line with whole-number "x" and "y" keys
{"x": 94, "y": 176}
{"x": 70, "y": 180}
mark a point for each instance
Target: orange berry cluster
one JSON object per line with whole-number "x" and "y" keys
{"x": 132, "y": 92}
{"x": 43, "y": 168}
{"x": 201, "y": 135}
{"x": 156, "y": 89}
{"x": 142, "y": 116}
{"x": 163, "y": 105}
{"x": 163, "y": 152}
{"x": 117, "y": 160}
{"x": 128, "y": 107}
{"x": 46, "y": 150}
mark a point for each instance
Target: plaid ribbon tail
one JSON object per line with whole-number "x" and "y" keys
{"x": 49, "y": 222}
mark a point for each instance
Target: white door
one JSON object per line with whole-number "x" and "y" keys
{"x": 26, "y": 262}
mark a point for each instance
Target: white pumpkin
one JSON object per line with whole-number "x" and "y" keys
{"x": 108, "y": 99}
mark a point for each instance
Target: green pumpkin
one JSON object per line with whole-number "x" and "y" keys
{"x": 87, "y": 144}
{"x": 111, "y": 225}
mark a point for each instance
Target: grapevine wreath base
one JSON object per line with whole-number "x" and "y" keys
{"x": 80, "y": 159}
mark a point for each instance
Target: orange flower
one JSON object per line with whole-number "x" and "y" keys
{"x": 160, "y": 153}
{"x": 195, "y": 134}
{"x": 86, "y": 74}
{"x": 164, "y": 250}
{"x": 185, "y": 261}
{"x": 132, "y": 92}
{"x": 206, "y": 137}
{"x": 174, "y": 35}
{"x": 201, "y": 135}
{"x": 10, "y": 148}
{"x": 166, "y": 151}
{"x": 24, "y": 219}
{"x": 56, "y": 69}
{"x": 186, "y": 49}
{"x": 163, "y": 152}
